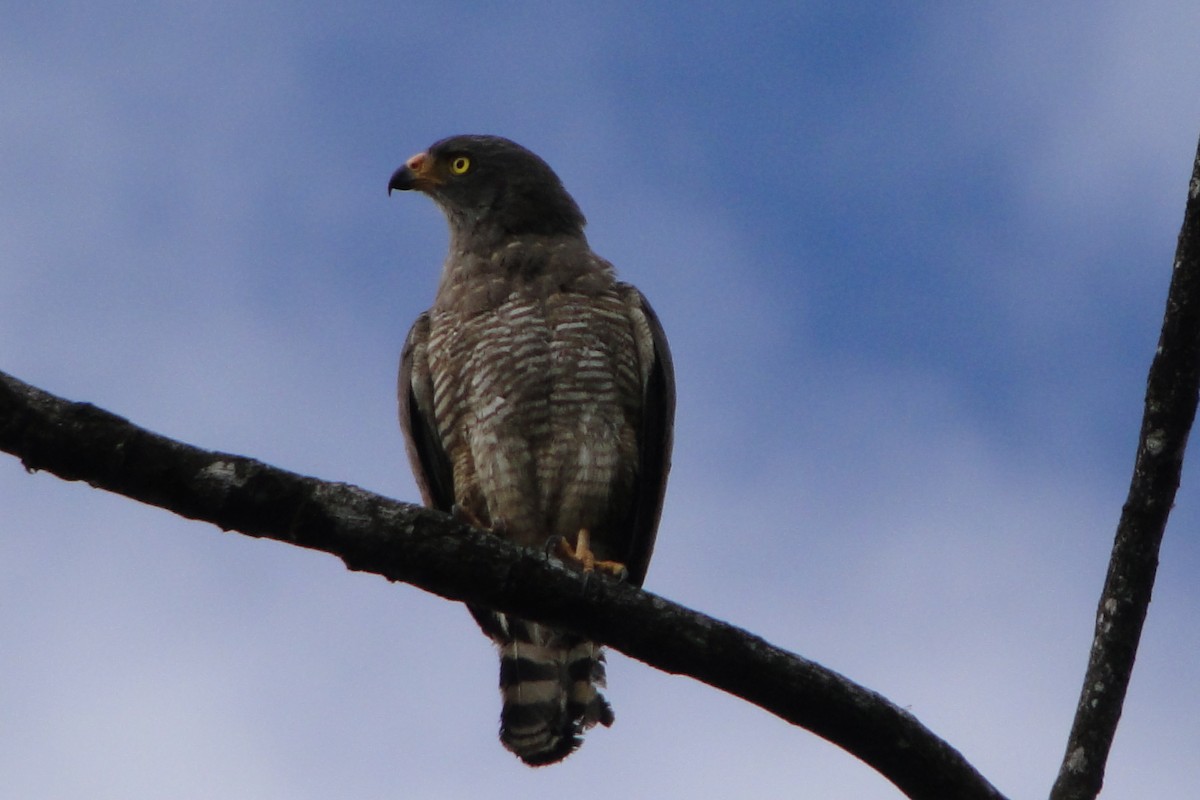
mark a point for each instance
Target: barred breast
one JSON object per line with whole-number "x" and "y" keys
{"x": 538, "y": 401}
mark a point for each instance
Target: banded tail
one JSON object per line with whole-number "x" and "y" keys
{"x": 549, "y": 686}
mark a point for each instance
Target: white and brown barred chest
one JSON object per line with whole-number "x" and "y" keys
{"x": 538, "y": 401}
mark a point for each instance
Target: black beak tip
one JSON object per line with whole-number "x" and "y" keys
{"x": 401, "y": 180}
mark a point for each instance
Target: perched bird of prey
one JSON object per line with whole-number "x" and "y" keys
{"x": 537, "y": 400}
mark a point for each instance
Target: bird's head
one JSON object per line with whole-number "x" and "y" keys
{"x": 492, "y": 187}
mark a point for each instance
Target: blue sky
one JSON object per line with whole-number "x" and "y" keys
{"x": 911, "y": 259}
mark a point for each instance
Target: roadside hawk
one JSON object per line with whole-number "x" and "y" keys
{"x": 537, "y": 401}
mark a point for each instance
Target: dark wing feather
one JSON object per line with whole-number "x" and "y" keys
{"x": 430, "y": 465}
{"x": 654, "y": 445}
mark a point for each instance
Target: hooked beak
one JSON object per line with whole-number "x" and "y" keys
{"x": 417, "y": 173}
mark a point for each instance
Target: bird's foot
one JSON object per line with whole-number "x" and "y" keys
{"x": 581, "y": 557}
{"x": 467, "y": 517}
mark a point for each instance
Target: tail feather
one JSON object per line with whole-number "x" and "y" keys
{"x": 585, "y": 672}
{"x": 549, "y": 685}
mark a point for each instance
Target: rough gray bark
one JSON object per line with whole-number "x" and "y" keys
{"x": 402, "y": 542}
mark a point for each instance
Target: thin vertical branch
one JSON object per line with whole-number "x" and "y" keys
{"x": 1171, "y": 395}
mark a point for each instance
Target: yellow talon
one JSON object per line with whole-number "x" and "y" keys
{"x": 581, "y": 556}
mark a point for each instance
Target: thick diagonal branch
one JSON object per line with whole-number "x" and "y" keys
{"x": 77, "y": 441}
{"x": 1171, "y": 394}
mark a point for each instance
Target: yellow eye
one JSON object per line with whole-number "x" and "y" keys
{"x": 460, "y": 165}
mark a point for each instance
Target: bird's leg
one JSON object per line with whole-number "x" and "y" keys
{"x": 582, "y": 557}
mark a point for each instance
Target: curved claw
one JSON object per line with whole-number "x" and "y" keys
{"x": 467, "y": 517}
{"x": 581, "y": 556}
